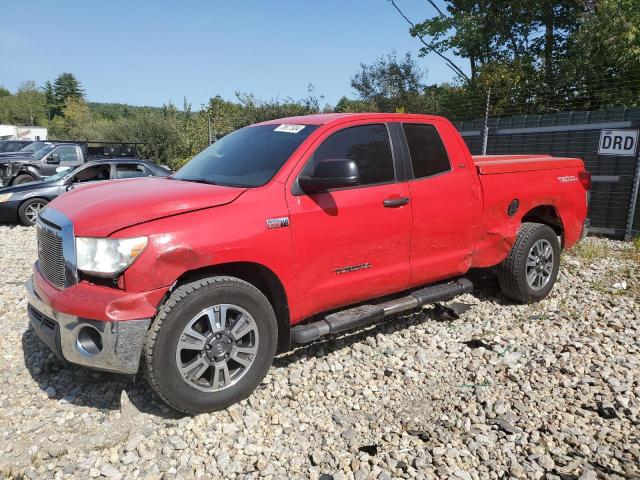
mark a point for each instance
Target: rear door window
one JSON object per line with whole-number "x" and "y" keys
{"x": 367, "y": 145}
{"x": 131, "y": 170}
{"x": 428, "y": 155}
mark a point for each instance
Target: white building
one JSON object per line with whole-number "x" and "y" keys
{"x": 11, "y": 132}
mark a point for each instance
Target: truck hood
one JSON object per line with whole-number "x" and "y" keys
{"x": 22, "y": 158}
{"x": 15, "y": 154}
{"x": 100, "y": 209}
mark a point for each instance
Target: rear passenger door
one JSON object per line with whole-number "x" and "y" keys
{"x": 348, "y": 246}
{"x": 445, "y": 199}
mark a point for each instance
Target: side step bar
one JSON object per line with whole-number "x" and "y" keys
{"x": 364, "y": 315}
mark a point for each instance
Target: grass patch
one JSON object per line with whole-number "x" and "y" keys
{"x": 590, "y": 251}
{"x": 636, "y": 246}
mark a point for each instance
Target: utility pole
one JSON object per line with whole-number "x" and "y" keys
{"x": 208, "y": 122}
{"x": 485, "y": 138}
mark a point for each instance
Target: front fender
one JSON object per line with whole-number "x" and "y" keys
{"x": 232, "y": 233}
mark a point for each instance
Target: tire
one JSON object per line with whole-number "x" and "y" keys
{"x": 22, "y": 178}
{"x": 29, "y": 210}
{"x": 215, "y": 389}
{"x": 515, "y": 273}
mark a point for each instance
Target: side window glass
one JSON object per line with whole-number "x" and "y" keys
{"x": 428, "y": 156}
{"x": 68, "y": 154}
{"x": 367, "y": 145}
{"x": 131, "y": 170}
{"x": 93, "y": 174}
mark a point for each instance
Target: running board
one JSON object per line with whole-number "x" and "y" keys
{"x": 365, "y": 315}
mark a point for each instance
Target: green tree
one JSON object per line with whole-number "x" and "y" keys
{"x": 354, "y": 106}
{"x": 388, "y": 84}
{"x": 30, "y": 104}
{"x": 65, "y": 86}
{"x": 50, "y": 100}
{"x": 25, "y": 107}
{"x": 486, "y": 32}
{"x": 602, "y": 65}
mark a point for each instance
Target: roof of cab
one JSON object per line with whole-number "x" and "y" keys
{"x": 322, "y": 118}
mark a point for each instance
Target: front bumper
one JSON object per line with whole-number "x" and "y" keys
{"x": 120, "y": 342}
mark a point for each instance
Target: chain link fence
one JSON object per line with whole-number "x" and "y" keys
{"x": 568, "y": 125}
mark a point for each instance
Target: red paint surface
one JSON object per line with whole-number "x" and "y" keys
{"x": 98, "y": 303}
{"x": 454, "y": 221}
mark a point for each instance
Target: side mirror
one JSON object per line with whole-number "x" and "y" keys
{"x": 53, "y": 159}
{"x": 329, "y": 174}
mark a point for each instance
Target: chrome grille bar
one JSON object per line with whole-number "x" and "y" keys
{"x": 51, "y": 256}
{"x": 56, "y": 248}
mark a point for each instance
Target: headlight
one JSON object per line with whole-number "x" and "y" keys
{"x": 5, "y": 196}
{"x": 107, "y": 257}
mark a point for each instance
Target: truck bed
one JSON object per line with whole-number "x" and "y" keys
{"x": 496, "y": 164}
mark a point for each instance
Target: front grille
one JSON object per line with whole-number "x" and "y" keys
{"x": 50, "y": 256}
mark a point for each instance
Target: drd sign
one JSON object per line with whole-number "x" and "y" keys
{"x": 618, "y": 142}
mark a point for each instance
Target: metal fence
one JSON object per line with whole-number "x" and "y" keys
{"x": 614, "y": 194}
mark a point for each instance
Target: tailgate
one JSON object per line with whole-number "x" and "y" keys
{"x": 495, "y": 164}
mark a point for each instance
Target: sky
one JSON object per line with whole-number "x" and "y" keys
{"x": 152, "y": 52}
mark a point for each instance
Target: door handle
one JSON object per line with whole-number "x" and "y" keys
{"x": 395, "y": 202}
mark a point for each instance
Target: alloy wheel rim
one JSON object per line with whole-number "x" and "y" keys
{"x": 217, "y": 347}
{"x": 32, "y": 211}
{"x": 539, "y": 264}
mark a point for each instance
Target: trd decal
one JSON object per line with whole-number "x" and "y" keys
{"x": 352, "y": 268}
{"x": 568, "y": 179}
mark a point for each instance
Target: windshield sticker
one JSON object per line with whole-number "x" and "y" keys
{"x": 288, "y": 128}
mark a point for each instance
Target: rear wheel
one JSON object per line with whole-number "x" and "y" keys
{"x": 29, "y": 210}
{"x": 23, "y": 178}
{"x": 531, "y": 268}
{"x": 211, "y": 344}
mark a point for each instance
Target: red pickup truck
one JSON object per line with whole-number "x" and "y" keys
{"x": 283, "y": 232}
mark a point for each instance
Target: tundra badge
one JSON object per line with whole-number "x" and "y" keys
{"x": 277, "y": 222}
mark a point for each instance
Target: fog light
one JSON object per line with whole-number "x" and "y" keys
{"x": 89, "y": 341}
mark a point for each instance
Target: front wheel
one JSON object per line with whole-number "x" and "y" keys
{"x": 531, "y": 268}
{"x": 210, "y": 345}
{"x": 23, "y": 178}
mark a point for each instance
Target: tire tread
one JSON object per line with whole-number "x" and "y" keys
{"x": 177, "y": 296}
{"x": 510, "y": 270}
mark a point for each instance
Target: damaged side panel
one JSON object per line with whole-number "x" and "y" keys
{"x": 522, "y": 192}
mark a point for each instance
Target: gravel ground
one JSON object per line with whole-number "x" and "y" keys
{"x": 549, "y": 390}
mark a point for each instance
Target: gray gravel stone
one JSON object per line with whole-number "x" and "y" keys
{"x": 533, "y": 396}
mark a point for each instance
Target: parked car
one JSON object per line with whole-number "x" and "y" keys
{"x": 270, "y": 236}
{"x": 23, "y": 202}
{"x": 13, "y": 145}
{"x": 30, "y": 166}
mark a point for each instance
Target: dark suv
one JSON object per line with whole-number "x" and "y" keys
{"x": 13, "y": 145}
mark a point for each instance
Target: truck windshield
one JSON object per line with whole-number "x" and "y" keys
{"x": 32, "y": 147}
{"x": 39, "y": 154}
{"x": 248, "y": 157}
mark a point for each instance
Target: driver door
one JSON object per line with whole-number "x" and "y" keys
{"x": 349, "y": 244}
{"x": 67, "y": 156}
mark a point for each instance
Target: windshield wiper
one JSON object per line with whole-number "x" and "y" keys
{"x": 197, "y": 180}
{"x": 209, "y": 182}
